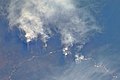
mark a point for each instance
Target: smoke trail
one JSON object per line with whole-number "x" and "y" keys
{"x": 75, "y": 25}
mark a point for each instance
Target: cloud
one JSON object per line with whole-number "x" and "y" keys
{"x": 38, "y": 18}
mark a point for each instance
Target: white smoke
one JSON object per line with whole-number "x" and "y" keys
{"x": 75, "y": 25}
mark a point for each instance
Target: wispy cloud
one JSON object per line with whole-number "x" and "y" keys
{"x": 102, "y": 65}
